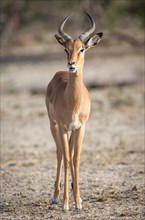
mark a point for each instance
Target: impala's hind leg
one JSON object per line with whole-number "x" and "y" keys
{"x": 71, "y": 154}
{"x": 55, "y": 134}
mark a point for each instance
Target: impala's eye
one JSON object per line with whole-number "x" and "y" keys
{"x": 82, "y": 50}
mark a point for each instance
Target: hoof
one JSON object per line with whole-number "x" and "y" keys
{"x": 79, "y": 205}
{"x": 66, "y": 207}
{"x": 54, "y": 201}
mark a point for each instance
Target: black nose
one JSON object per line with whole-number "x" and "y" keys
{"x": 71, "y": 63}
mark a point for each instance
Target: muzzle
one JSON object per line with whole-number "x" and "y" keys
{"x": 72, "y": 68}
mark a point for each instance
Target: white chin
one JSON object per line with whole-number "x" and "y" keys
{"x": 72, "y": 71}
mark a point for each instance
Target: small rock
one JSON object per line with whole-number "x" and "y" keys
{"x": 135, "y": 188}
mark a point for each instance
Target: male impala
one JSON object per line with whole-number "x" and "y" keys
{"x": 68, "y": 106}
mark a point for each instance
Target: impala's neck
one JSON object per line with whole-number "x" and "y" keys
{"x": 74, "y": 91}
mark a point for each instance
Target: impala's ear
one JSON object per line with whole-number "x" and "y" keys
{"x": 94, "y": 40}
{"x": 60, "y": 40}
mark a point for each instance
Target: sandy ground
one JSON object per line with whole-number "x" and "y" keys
{"x": 112, "y": 158}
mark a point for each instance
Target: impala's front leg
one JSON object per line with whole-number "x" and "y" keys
{"x": 65, "y": 150}
{"x": 79, "y": 134}
{"x": 54, "y": 131}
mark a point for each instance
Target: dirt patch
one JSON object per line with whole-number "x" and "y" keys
{"x": 111, "y": 170}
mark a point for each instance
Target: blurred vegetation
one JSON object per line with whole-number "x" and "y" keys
{"x": 137, "y": 9}
{"x": 18, "y": 14}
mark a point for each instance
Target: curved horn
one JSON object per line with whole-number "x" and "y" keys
{"x": 61, "y": 32}
{"x": 87, "y": 33}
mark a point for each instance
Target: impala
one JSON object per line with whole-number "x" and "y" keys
{"x": 68, "y": 106}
